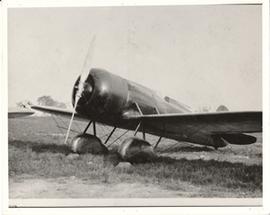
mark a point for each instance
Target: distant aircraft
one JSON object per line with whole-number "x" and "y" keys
{"x": 19, "y": 112}
{"x": 103, "y": 97}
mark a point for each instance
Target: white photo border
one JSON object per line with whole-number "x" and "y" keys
{"x": 265, "y": 209}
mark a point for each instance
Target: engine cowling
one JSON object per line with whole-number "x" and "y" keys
{"x": 104, "y": 95}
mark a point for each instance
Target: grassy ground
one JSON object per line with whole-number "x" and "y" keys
{"x": 36, "y": 152}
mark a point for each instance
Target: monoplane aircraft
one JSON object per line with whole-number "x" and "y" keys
{"x": 103, "y": 97}
{"x": 99, "y": 96}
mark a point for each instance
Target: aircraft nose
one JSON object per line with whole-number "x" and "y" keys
{"x": 85, "y": 93}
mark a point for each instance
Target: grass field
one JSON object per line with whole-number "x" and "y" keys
{"x": 39, "y": 167}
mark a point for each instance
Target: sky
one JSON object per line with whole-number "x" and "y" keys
{"x": 200, "y": 55}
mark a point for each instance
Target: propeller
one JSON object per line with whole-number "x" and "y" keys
{"x": 83, "y": 76}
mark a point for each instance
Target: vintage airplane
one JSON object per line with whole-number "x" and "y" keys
{"x": 106, "y": 98}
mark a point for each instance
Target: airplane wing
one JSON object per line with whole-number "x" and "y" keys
{"x": 19, "y": 113}
{"x": 59, "y": 111}
{"x": 196, "y": 126}
{"x": 209, "y": 123}
{"x": 212, "y": 123}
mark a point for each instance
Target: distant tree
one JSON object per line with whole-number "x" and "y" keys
{"x": 46, "y": 100}
{"x": 49, "y": 101}
{"x": 204, "y": 109}
{"x": 61, "y": 105}
{"x": 222, "y": 108}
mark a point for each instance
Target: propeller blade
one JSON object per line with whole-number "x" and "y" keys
{"x": 83, "y": 77}
{"x": 87, "y": 65}
{"x": 71, "y": 120}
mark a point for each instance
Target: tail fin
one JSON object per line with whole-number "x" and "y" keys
{"x": 239, "y": 139}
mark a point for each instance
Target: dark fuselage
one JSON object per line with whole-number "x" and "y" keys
{"x": 112, "y": 100}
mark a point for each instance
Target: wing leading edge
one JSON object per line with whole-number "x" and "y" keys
{"x": 58, "y": 111}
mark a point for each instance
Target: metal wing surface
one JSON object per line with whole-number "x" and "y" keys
{"x": 59, "y": 112}
{"x": 194, "y": 127}
{"x": 178, "y": 126}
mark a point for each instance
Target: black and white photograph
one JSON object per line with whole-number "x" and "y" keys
{"x": 144, "y": 105}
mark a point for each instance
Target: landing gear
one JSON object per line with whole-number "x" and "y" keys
{"x": 136, "y": 150}
{"x": 94, "y": 128}
{"x": 87, "y": 143}
{"x": 132, "y": 149}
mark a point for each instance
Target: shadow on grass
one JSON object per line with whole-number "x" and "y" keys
{"x": 41, "y": 147}
{"x": 185, "y": 149}
{"x": 206, "y": 172}
{"x": 163, "y": 169}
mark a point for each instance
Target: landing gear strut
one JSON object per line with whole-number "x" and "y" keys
{"x": 94, "y": 127}
{"x": 110, "y": 135}
{"x": 137, "y": 129}
{"x": 158, "y": 142}
{"x": 85, "y": 130}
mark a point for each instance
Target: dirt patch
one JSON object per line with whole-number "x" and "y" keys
{"x": 73, "y": 187}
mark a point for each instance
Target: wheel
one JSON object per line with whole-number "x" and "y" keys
{"x": 136, "y": 150}
{"x": 86, "y": 143}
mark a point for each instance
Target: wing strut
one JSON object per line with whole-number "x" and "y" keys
{"x": 85, "y": 130}
{"x": 143, "y": 131}
{"x": 94, "y": 128}
{"x": 159, "y": 139}
{"x": 110, "y": 135}
{"x": 138, "y": 127}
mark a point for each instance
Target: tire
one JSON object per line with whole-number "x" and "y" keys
{"x": 86, "y": 143}
{"x": 136, "y": 150}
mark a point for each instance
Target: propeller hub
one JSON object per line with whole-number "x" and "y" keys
{"x": 82, "y": 92}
